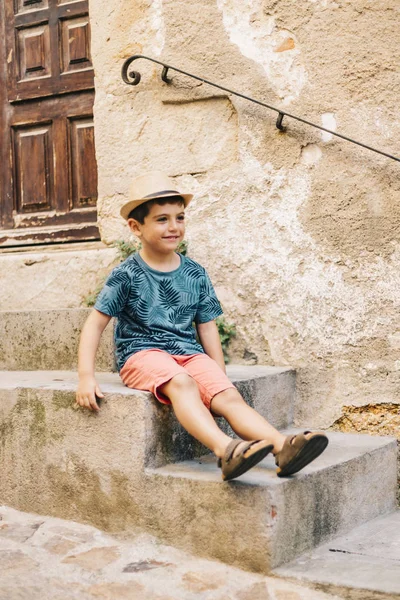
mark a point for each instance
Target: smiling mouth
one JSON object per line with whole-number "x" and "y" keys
{"x": 171, "y": 237}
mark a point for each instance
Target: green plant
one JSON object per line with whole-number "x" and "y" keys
{"x": 182, "y": 247}
{"x": 125, "y": 249}
{"x": 90, "y": 299}
{"x": 226, "y": 332}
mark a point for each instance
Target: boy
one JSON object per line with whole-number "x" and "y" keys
{"x": 156, "y": 296}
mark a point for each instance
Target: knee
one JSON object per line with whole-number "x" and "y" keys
{"x": 225, "y": 401}
{"x": 179, "y": 383}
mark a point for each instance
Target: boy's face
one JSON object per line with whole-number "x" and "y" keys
{"x": 163, "y": 228}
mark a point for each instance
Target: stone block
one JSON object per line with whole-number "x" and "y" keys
{"x": 53, "y": 277}
{"x": 48, "y": 339}
{"x": 270, "y": 390}
{"x": 52, "y": 394}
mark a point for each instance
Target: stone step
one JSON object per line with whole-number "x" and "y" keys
{"x": 51, "y": 395}
{"x": 109, "y": 469}
{"x": 365, "y": 561}
{"x": 48, "y": 339}
{"x": 261, "y": 521}
{"x": 47, "y": 277}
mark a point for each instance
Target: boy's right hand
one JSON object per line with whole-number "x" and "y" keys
{"x": 86, "y": 393}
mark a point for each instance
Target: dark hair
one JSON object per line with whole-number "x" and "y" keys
{"x": 140, "y": 212}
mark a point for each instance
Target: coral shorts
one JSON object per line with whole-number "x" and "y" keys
{"x": 149, "y": 369}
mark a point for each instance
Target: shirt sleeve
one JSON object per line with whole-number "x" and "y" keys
{"x": 114, "y": 295}
{"x": 209, "y": 307}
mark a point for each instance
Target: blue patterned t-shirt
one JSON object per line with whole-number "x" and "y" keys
{"x": 156, "y": 309}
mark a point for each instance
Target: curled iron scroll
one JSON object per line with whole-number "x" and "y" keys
{"x": 130, "y": 77}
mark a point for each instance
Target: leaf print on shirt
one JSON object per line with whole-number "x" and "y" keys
{"x": 142, "y": 312}
{"x": 126, "y": 328}
{"x": 169, "y": 297}
{"x": 184, "y": 314}
{"x": 209, "y": 310}
{"x": 173, "y": 347}
{"x": 114, "y": 294}
{"x": 126, "y": 334}
{"x": 142, "y": 287}
{"x": 158, "y": 317}
{"x": 192, "y": 273}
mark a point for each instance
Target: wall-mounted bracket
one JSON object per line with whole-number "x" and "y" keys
{"x": 279, "y": 122}
{"x": 164, "y": 75}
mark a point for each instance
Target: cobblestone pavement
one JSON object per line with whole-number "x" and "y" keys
{"x": 43, "y": 558}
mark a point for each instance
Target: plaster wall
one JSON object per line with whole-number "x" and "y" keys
{"x": 298, "y": 230}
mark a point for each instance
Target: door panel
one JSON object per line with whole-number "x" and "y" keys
{"x": 40, "y": 41}
{"x": 69, "y": 166}
{"x": 84, "y": 184}
{"x": 75, "y": 39}
{"x": 48, "y": 165}
{"x": 25, "y": 5}
{"x": 33, "y": 52}
{"x": 34, "y": 177}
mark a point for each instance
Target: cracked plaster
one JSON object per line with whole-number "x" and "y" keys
{"x": 258, "y": 37}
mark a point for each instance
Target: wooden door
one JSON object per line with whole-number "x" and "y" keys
{"x": 47, "y": 158}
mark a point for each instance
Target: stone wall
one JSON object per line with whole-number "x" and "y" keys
{"x": 298, "y": 231}
{"x": 52, "y": 277}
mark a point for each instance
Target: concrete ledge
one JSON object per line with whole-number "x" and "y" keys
{"x": 58, "y": 460}
{"x": 48, "y": 339}
{"x": 45, "y": 340}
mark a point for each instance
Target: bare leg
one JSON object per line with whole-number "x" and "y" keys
{"x": 190, "y": 411}
{"x": 244, "y": 420}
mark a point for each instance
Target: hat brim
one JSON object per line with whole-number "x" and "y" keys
{"x": 129, "y": 206}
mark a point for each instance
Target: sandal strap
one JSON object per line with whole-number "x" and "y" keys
{"x": 233, "y": 444}
{"x": 230, "y": 449}
{"x": 291, "y": 445}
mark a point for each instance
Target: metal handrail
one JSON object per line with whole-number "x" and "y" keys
{"x": 133, "y": 78}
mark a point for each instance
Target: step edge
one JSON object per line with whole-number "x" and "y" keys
{"x": 284, "y": 570}
{"x": 337, "y": 589}
{"x": 167, "y": 470}
{"x": 99, "y": 373}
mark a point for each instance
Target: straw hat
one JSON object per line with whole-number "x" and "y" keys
{"x": 148, "y": 187}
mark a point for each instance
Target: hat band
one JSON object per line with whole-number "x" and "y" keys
{"x": 156, "y": 194}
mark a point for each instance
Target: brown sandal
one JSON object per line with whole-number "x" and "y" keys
{"x": 298, "y": 451}
{"x": 251, "y": 454}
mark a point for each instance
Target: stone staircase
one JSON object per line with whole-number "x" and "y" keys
{"x": 133, "y": 466}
